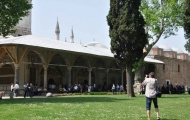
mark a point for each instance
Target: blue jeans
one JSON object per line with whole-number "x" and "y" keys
{"x": 148, "y": 103}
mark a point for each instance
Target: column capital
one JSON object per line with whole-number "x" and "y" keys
{"x": 45, "y": 66}
{"x": 122, "y": 70}
{"x": 69, "y": 68}
{"x": 1, "y": 65}
{"x": 89, "y": 69}
{"x": 16, "y": 65}
{"x": 107, "y": 70}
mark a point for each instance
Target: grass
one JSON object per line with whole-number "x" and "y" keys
{"x": 93, "y": 107}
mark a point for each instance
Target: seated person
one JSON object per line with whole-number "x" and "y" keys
{"x": 45, "y": 90}
{"x": 75, "y": 88}
{"x": 64, "y": 90}
{"x": 60, "y": 90}
{"x": 53, "y": 86}
{"x": 39, "y": 90}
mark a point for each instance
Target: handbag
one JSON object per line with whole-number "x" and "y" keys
{"x": 158, "y": 94}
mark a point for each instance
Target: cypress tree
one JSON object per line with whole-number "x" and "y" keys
{"x": 186, "y": 20}
{"x": 128, "y": 37}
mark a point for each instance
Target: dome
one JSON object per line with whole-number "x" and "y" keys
{"x": 178, "y": 50}
{"x": 165, "y": 48}
{"x": 155, "y": 46}
{"x": 96, "y": 44}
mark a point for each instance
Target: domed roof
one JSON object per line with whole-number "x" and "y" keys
{"x": 96, "y": 44}
{"x": 178, "y": 50}
{"x": 155, "y": 46}
{"x": 165, "y": 48}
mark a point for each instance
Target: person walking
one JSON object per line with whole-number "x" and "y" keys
{"x": 16, "y": 87}
{"x": 31, "y": 88}
{"x": 26, "y": 90}
{"x": 150, "y": 93}
{"x": 113, "y": 88}
{"x": 12, "y": 87}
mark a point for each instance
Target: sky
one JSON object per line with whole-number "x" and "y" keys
{"x": 86, "y": 17}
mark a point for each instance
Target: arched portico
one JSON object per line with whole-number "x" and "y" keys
{"x": 80, "y": 67}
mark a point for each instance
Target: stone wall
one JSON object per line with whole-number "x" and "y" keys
{"x": 176, "y": 71}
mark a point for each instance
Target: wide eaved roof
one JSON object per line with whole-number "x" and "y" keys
{"x": 30, "y": 40}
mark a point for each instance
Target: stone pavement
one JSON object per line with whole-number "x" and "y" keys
{"x": 7, "y": 97}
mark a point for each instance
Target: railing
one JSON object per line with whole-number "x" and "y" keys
{"x": 4, "y": 87}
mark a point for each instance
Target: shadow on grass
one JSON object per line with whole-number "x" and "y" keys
{"x": 170, "y": 97}
{"x": 174, "y": 95}
{"x": 145, "y": 118}
{"x": 60, "y": 100}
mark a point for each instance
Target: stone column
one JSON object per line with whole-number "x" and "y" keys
{"x": 89, "y": 76}
{"x": 38, "y": 76}
{"x": 107, "y": 71}
{"x": 16, "y": 73}
{"x": 45, "y": 75}
{"x": 69, "y": 75}
{"x": 1, "y": 65}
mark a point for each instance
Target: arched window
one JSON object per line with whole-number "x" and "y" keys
{"x": 163, "y": 67}
{"x": 178, "y": 68}
{"x": 166, "y": 54}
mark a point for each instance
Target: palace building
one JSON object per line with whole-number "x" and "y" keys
{"x": 42, "y": 61}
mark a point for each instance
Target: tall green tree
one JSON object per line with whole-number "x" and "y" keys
{"x": 127, "y": 35}
{"x": 186, "y": 26}
{"x": 11, "y": 11}
{"x": 162, "y": 17}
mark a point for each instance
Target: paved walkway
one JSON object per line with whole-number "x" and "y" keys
{"x": 7, "y": 97}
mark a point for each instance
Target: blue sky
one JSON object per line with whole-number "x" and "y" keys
{"x": 87, "y": 17}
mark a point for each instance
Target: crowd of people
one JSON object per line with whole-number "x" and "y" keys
{"x": 29, "y": 89}
{"x": 80, "y": 88}
{"x": 171, "y": 89}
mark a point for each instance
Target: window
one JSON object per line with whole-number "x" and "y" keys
{"x": 163, "y": 67}
{"x": 160, "y": 52}
{"x": 167, "y": 54}
{"x": 167, "y": 82}
{"x": 178, "y": 56}
{"x": 178, "y": 68}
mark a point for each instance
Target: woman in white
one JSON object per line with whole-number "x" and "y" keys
{"x": 150, "y": 93}
{"x": 12, "y": 87}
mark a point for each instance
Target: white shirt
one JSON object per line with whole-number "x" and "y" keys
{"x": 151, "y": 84}
{"x": 16, "y": 86}
{"x": 12, "y": 87}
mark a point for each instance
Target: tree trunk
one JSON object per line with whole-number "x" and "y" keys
{"x": 130, "y": 81}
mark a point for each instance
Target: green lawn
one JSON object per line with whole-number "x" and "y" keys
{"x": 93, "y": 107}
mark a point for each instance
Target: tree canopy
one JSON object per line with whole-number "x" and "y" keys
{"x": 11, "y": 11}
{"x": 127, "y": 35}
{"x": 162, "y": 17}
{"x": 186, "y": 26}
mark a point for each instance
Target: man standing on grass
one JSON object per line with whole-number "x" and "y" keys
{"x": 26, "y": 90}
{"x": 16, "y": 87}
{"x": 150, "y": 93}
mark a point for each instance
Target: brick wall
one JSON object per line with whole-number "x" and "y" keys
{"x": 176, "y": 75}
